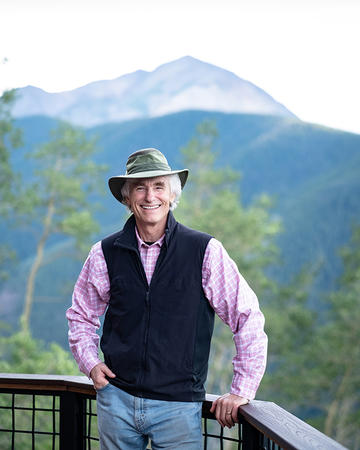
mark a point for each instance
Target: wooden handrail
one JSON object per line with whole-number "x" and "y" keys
{"x": 288, "y": 431}
{"x": 78, "y": 384}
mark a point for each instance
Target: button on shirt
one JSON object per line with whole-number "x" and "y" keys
{"x": 227, "y": 291}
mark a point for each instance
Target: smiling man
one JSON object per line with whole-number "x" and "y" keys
{"x": 160, "y": 284}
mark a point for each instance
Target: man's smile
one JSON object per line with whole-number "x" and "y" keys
{"x": 150, "y": 207}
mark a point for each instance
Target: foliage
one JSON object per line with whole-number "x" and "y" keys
{"x": 290, "y": 326}
{"x": 314, "y": 359}
{"x": 7, "y": 257}
{"x": 59, "y": 199}
{"x": 10, "y": 138}
{"x": 335, "y": 383}
{"x": 21, "y": 353}
{"x": 211, "y": 203}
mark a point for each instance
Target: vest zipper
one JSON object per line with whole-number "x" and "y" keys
{"x": 147, "y": 302}
{"x": 147, "y": 321}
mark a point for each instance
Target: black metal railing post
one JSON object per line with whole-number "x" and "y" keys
{"x": 250, "y": 437}
{"x": 72, "y": 421}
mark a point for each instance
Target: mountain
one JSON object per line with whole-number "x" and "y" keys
{"x": 184, "y": 84}
{"x": 311, "y": 172}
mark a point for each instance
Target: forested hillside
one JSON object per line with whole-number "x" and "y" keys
{"x": 310, "y": 173}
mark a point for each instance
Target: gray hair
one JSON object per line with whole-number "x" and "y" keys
{"x": 175, "y": 188}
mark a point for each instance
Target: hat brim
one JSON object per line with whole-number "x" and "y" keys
{"x": 116, "y": 183}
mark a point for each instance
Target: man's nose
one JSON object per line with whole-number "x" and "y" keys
{"x": 149, "y": 195}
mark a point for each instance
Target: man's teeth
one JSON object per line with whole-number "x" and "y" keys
{"x": 150, "y": 207}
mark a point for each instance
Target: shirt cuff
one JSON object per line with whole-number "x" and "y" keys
{"x": 242, "y": 387}
{"x": 89, "y": 365}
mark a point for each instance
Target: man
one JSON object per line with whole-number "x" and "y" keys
{"x": 160, "y": 283}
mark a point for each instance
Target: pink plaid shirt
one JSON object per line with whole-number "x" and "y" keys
{"x": 227, "y": 291}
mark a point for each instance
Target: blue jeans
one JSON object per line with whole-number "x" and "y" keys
{"x": 127, "y": 422}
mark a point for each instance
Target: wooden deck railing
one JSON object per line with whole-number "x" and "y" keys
{"x": 68, "y": 403}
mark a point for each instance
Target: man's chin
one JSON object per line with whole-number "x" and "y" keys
{"x": 152, "y": 218}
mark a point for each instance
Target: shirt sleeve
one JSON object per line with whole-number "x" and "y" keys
{"x": 89, "y": 301}
{"x": 237, "y": 305}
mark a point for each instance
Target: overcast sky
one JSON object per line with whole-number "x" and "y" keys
{"x": 304, "y": 53}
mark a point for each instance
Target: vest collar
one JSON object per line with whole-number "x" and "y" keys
{"x": 127, "y": 237}
{"x": 170, "y": 227}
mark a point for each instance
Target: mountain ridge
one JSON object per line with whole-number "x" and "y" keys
{"x": 184, "y": 84}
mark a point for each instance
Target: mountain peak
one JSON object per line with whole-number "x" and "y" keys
{"x": 186, "y": 83}
{"x": 184, "y": 60}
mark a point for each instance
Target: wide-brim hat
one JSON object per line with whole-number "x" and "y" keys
{"x": 144, "y": 163}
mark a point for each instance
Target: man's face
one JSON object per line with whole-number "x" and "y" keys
{"x": 149, "y": 200}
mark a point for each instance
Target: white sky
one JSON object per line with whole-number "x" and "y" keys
{"x": 305, "y": 53}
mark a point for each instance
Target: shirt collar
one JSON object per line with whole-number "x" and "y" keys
{"x": 141, "y": 243}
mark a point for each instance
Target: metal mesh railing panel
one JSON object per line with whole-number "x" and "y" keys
{"x": 32, "y": 421}
{"x": 91, "y": 435}
{"x": 29, "y": 421}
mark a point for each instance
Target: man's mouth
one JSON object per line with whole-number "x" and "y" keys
{"x": 150, "y": 207}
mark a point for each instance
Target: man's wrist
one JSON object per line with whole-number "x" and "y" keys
{"x": 90, "y": 365}
{"x": 247, "y": 394}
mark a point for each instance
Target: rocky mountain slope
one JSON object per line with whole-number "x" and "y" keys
{"x": 184, "y": 84}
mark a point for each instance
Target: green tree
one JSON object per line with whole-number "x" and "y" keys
{"x": 335, "y": 387}
{"x": 21, "y": 353}
{"x": 59, "y": 200}
{"x": 10, "y": 139}
{"x": 290, "y": 326}
{"x": 314, "y": 357}
{"x": 211, "y": 203}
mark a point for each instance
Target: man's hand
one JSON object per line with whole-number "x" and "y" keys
{"x": 98, "y": 375}
{"x": 226, "y": 408}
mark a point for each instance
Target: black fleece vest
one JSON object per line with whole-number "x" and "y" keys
{"x": 156, "y": 338}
